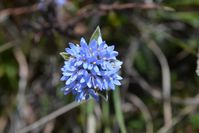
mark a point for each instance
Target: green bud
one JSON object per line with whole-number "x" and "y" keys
{"x": 65, "y": 55}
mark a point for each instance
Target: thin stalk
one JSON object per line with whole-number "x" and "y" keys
{"x": 118, "y": 110}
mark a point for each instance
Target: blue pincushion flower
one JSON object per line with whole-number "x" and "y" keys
{"x": 43, "y": 4}
{"x": 90, "y": 69}
{"x": 61, "y": 2}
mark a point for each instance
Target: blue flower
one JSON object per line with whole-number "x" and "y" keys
{"x": 61, "y": 2}
{"x": 90, "y": 69}
{"x": 43, "y": 4}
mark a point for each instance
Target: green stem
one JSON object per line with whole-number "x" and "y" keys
{"x": 106, "y": 116}
{"x": 90, "y": 107}
{"x": 118, "y": 110}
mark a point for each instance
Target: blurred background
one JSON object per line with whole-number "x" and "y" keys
{"x": 157, "y": 41}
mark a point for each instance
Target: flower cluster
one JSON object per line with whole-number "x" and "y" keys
{"x": 61, "y": 2}
{"x": 90, "y": 68}
{"x": 43, "y": 4}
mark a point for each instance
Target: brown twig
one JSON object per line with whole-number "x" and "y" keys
{"x": 117, "y": 6}
{"x": 101, "y": 8}
{"x": 187, "y": 101}
{"x": 143, "y": 108}
{"x": 132, "y": 72}
{"x": 166, "y": 81}
{"x": 19, "y": 10}
{"x": 23, "y": 77}
{"x": 49, "y": 117}
{"x": 7, "y": 46}
{"x": 186, "y": 111}
{"x": 183, "y": 113}
{"x": 91, "y": 123}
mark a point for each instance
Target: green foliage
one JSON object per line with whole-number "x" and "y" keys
{"x": 96, "y": 34}
{"x": 64, "y": 55}
{"x": 114, "y": 19}
{"x": 40, "y": 37}
{"x": 137, "y": 124}
{"x": 145, "y": 64}
{"x": 118, "y": 110}
{"x": 194, "y": 119}
{"x": 182, "y": 2}
{"x": 190, "y": 18}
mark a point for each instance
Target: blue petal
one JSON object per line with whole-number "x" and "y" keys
{"x": 83, "y": 43}
{"x": 67, "y": 73}
{"x": 71, "y": 85}
{"x": 90, "y": 66}
{"x": 99, "y": 40}
{"x": 93, "y": 45}
{"x": 83, "y": 40}
{"x": 99, "y": 83}
{"x": 109, "y": 66}
{"x": 80, "y": 97}
{"x": 105, "y": 84}
{"x": 72, "y": 46}
{"x": 118, "y": 77}
{"x": 96, "y": 69}
{"x": 87, "y": 97}
{"x": 85, "y": 65}
{"x": 71, "y": 79}
{"x": 114, "y": 53}
{"x": 89, "y": 83}
{"x": 69, "y": 51}
{"x": 94, "y": 94}
{"x": 116, "y": 82}
{"x": 93, "y": 82}
{"x": 111, "y": 48}
{"x": 71, "y": 68}
{"x": 86, "y": 75}
{"x": 103, "y": 45}
{"x": 60, "y": 2}
{"x": 81, "y": 72}
{"x": 111, "y": 85}
{"x": 78, "y": 63}
{"x": 66, "y": 90}
{"x": 118, "y": 63}
{"x": 82, "y": 80}
{"x": 63, "y": 78}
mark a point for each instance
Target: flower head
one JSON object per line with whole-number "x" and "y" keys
{"x": 90, "y": 69}
{"x": 60, "y": 2}
{"x": 44, "y": 4}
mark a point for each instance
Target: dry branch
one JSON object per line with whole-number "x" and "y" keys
{"x": 166, "y": 81}
{"x": 145, "y": 111}
{"x": 49, "y": 117}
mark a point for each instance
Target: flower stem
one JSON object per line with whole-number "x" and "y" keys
{"x": 118, "y": 110}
